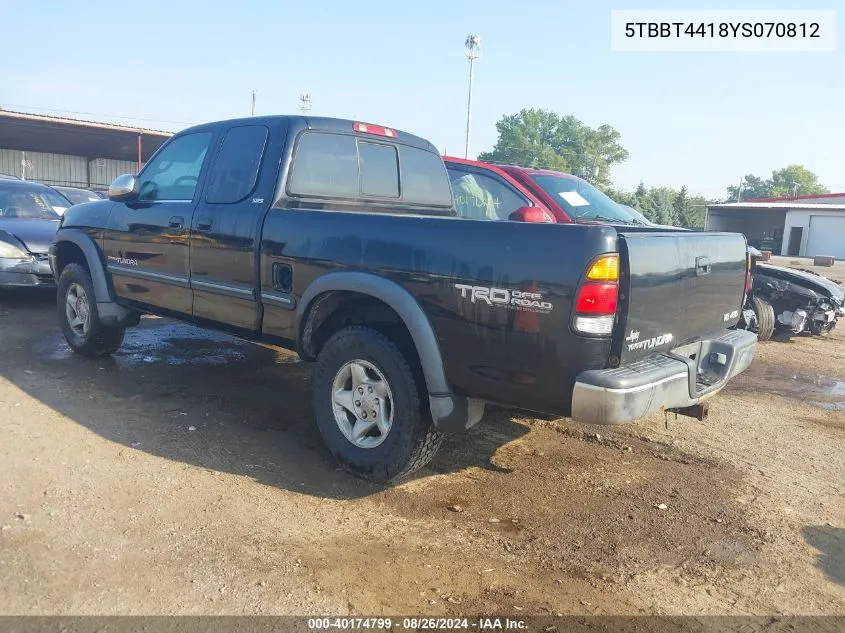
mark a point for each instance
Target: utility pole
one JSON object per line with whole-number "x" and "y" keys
{"x": 473, "y": 46}
{"x": 253, "y": 103}
{"x": 739, "y": 190}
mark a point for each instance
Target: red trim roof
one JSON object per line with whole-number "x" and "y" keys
{"x": 809, "y": 196}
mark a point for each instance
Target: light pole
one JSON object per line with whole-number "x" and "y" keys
{"x": 253, "y": 103}
{"x": 473, "y": 46}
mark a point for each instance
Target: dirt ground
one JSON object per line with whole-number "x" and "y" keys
{"x": 185, "y": 476}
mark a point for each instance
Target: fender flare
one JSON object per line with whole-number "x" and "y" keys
{"x": 451, "y": 413}
{"x": 81, "y": 239}
{"x": 401, "y": 301}
{"x": 110, "y": 312}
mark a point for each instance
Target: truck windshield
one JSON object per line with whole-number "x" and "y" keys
{"x": 582, "y": 201}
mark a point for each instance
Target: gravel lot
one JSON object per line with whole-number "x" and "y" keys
{"x": 185, "y": 476}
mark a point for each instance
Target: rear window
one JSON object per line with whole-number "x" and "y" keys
{"x": 342, "y": 166}
{"x": 325, "y": 165}
{"x": 379, "y": 170}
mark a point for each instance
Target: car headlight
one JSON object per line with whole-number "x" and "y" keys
{"x": 10, "y": 251}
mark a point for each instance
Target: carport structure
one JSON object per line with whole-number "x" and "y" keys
{"x": 790, "y": 228}
{"x": 61, "y": 151}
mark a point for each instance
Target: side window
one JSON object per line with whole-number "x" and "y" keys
{"x": 174, "y": 172}
{"x": 325, "y": 165}
{"x": 424, "y": 178}
{"x": 235, "y": 170}
{"x": 379, "y": 170}
{"x": 482, "y": 197}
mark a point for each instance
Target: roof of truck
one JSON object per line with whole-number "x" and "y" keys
{"x": 325, "y": 123}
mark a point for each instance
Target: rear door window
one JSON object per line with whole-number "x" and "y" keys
{"x": 483, "y": 196}
{"x": 235, "y": 170}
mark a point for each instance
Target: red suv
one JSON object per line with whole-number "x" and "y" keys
{"x": 508, "y": 192}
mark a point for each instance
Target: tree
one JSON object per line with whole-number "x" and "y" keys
{"x": 544, "y": 139}
{"x": 795, "y": 180}
{"x": 696, "y": 210}
{"x": 664, "y": 205}
{"x": 681, "y": 205}
{"x": 788, "y": 181}
{"x": 689, "y": 210}
{"x": 750, "y": 187}
{"x": 643, "y": 203}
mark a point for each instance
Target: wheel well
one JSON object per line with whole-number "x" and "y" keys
{"x": 69, "y": 253}
{"x": 335, "y": 310}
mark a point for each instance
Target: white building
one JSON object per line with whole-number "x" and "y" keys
{"x": 803, "y": 226}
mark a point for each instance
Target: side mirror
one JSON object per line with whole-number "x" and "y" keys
{"x": 124, "y": 188}
{"x": 531, "y": 214}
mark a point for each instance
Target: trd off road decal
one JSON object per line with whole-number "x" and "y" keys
{"x": 504, "y": 298}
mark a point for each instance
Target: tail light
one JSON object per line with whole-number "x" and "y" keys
{"x": 598, "y": 296}
{"x": 748, "y": 273}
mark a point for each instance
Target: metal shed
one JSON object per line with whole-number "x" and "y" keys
{"x": 794, "y": 228}
{"x": 61, "y": 151}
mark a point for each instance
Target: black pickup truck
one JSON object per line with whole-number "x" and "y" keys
{"x": 340, "y": 240}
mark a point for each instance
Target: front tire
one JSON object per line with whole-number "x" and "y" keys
{"x": 765, "y": 318}
{"x": 369, "y": 408}
{"x": 77, "y": 306}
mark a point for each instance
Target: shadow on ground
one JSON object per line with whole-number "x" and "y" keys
{"x": 830, "y": 542}
{"x": 203, "y": 398}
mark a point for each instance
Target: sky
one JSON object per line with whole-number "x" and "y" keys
{"x": 697, "y": 119}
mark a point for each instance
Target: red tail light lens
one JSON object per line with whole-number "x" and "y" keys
{"x": 597, "y": 299}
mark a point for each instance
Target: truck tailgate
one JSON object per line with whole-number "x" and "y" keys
{"x": 676, "y": 288}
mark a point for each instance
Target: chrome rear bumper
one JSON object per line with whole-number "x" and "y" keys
{"x": 671, "y": 380}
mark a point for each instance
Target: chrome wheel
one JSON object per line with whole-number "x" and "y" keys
{"x": 77, "y": 309}
{"x": 362, "y": 403}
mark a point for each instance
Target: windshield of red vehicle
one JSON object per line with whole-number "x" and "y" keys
{"x": 582, "y": 201}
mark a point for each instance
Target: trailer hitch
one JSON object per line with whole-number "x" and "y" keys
{"x": 697, "y": 411}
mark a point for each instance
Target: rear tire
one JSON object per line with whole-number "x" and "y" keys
{"x": 765, "y": 318}
{"x": 353, "y": 362}
{"x": 77, "y": 306}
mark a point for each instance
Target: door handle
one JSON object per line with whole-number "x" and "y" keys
{"x": 177, "y": 222}
{"x": 204, "y": 224}
{"x": 702, "y": 266}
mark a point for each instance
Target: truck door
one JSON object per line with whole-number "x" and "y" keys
{"x": 146, "y": 242}
{"x": 227, "y": 225}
